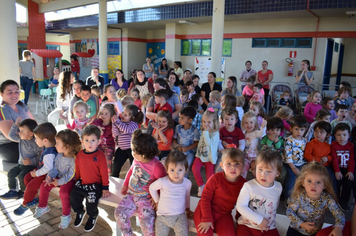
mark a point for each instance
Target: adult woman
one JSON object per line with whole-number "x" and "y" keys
{"x": 173, "y": 100}
{"x": 64, "y": 95}
{"x": 141, "y": 83}
{"x": 209, "y": 86}
{"x": 178, "y": 69}
{"x": 148, "y": 67}
{"x": 173, "y": 82}
{"x": 246, "y": 73}
{"x": 231, "y": 87}
{"x": 304, "y": 76}
{"x": 119, "y": 82}
{"x": 265, "y": 76}
{"x": 10, "y": 110}
{"x": 27, "y": 73}
{"x": 163, "y": 68}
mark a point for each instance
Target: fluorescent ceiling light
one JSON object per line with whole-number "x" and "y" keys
{"x": 187, "y": 22}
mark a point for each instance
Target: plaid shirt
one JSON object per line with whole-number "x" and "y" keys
{"x": 197, "y": 121}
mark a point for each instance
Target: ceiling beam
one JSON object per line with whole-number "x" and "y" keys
{"x": 64, "y": 4}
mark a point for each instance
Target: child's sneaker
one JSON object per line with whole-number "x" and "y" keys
{"x": 79, "y": 219}
{"x": 20, "y": 210}
{"x": 89, "y": 226}
{"x": 40, "y": 211}
{"x": 10, "y": 195}
{"x": 200, "y": 190}
{"x": 32, "y": 203}
{"x": 65, "y": 220}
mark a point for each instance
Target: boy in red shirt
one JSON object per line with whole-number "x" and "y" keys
{"x": 342, "y": 152}
{"x": 230, "y": 134}
{"x": 92, "y": 178}
{"x": 161, "y": 97}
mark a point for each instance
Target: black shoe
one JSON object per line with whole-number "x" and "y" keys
{"x": 89, "y": 226}
{"x": 79, "y": 219}
{"x": 20, "y": 194}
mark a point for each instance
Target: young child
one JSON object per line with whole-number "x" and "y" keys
{"x": 285, "y": 99}
{"x": 207, "y": 148}
{"x": 240, "y": 102}
{"x": 191, "y": 90}
{"x": 163, "y": 132}
{"x": 342, "y": 113}
{"x": 174, "y": 201}
{"x": 45, "y": 138}
{"x": 329, "y": 104}
{"x": 95, "y": 89}
{"x": 214, "y": 101}
{"x": 342, "y": 152}
{"x": 80, "y": 110}
{"x": 85, "y": 93}
{"x": 107, "y": 143}
{"x": 295, "y": 147}
{"x": 309, "y": 99}
{"x": 127, "y": 100}
{"x": 195, "y": 79}
{"x": 186, "y": 135}
{"x": 68, "y": 145}
{"x": 122, "y": 130}
{"x": 91, "y": 179}
{"x": 135, "y": 94}
{"x": 252, "y": 136}
{"x": 109, "y": 94}
{"x": 352, "y": 115}
{"x": 197, "y": 118}
{"x": 198, "y": 97}
{"x": 321, "y": 115}
{"x": 144, "y": 100}
{"x": 312, "y": 195}
{"x": 259, "y": 197}
{"x": 28, "y": 159}
{"x": 285, "y": 113}
{"x": 229, "y": 134}
{"x": 184, "y": 95}
{"x": 161, "y": 97}
{"x": 121, "y": 93}
{"x": 257, "y": 96}
{"x": 313, "y": 107}
{"x": 228, "y": 100}
{"x": 247, "y": 92}
{"x": 257, "y": 109}
{"x": 144, "y": 170}
{"x": 343, "y": 95}
{"x": 213, "y": 213}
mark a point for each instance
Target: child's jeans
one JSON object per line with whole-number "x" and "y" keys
{"x": 197, "y": 165}
{"x": 18, "y": 171}
{"x": 146, "y": 214}
{"x": 32, "y": 186}
{"x": 290, "y": 180}
{"x": 64, "y": 193}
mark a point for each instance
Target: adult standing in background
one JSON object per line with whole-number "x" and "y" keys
{"x": 163, "y": 68}
{"x": 119, "y": 82}
{"x": 304, "y": 76}
{"x": 10, "y": 109}
{"x": 265, "y": 76}
{"x": 178, "y": 69}
{"x": 246, "y": 73}
{"x": 74, "y": 65}
{"x": 64, "y": 95}
{"x": 141, "y": 83}
{"x": 95, "y": 79}
{"x": 27, "y": 73}
{"x": 209, "y": 86}
{"x": 148, "y": 67}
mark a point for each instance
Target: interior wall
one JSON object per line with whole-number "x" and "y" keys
{"x": 62, "y": 41}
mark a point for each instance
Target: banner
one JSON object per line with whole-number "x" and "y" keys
{"x": 156, "y": 51}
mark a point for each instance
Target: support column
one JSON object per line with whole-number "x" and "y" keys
{"x": 103, "y": 41}
{"x": 217, "y": 36}
{"x": 9, "y": 59}
{"x": 173, "y": 46}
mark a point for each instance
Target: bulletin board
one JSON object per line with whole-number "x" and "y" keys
{"x": 114, "y": 63}
{"x": 202, "y": 68}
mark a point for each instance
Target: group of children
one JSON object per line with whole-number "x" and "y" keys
{"x": 272, "y": 153}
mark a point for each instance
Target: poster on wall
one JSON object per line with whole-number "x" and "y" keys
{"x": 114, "y": 63}
{"x": 95, "y": 62}
{"x": 202, "y": 68}
{"x": 156, "y": 51}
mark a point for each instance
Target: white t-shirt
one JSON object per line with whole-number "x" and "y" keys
{"x": 240, "y": 111}
{"x": 174, "y": 198}
{"x": 256, "y": 202}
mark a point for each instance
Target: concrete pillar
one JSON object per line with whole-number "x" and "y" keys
{"x": 9, "y": 59}
{"x": 103, "y": 41}
{"x": 173, "y": 45}
{"x": 217, "y": 36}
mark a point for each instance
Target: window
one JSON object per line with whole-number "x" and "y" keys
{"x": 282, "y": 42}
{"x": 113, "y": 48}
{"x": 202, "y": 47}
{"x": 227, "y": 47}
{"x": 21, "y": 47}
